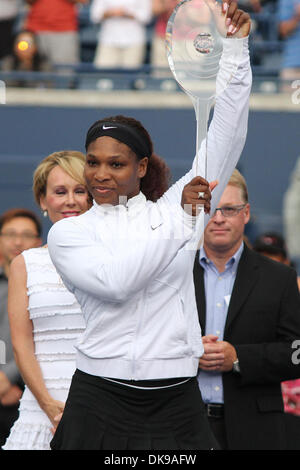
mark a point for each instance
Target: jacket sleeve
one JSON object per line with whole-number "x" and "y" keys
{"x": 228, "y": 129}
{"x": 277, "y": 361}
{"x": 120, "y": 271}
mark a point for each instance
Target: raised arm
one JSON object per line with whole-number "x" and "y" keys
{"x": 22, "y": 340}
{"x": 228, "y": 129}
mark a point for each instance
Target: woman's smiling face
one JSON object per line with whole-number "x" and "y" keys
{"x": 112, "y": 170}
{"x": 65, "y": 197}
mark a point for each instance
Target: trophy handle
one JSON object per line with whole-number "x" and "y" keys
{"x": 202, "y": 109}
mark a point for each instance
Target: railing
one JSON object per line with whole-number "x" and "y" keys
{"x": 86, "y": 77}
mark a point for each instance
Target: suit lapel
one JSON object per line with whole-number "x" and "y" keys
{"x": 200, "y": 291}
{"x": 246, "y": 278}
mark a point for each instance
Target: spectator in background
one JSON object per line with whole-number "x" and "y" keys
{"x": 289, "y": 30}
{"x": 162, "y": 10}
{"x": 55, "y": 24}
{"x": 255, "y": 6}
{"x": 273, "y": 246}
{"x": 251, "y": 318}
{"x": 123, "y": 34}
{"x": 26, "y": 54}
{"x": 20, "y": 229}
{"x": 9, "y": 10}
{"x": 252, "y": 6}
{"x": 26, "y": 58}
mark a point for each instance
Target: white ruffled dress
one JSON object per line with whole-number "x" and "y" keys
{"x": 57, "y": 325}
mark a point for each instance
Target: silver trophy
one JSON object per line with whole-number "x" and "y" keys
{"x": 194, "y": 42}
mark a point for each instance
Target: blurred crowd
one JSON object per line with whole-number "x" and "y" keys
{"x": 38, "y": 34}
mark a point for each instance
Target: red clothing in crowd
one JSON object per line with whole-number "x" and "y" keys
{"x": 54, "y": 15}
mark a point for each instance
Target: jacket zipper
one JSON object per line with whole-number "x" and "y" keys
{"x": 140, "y": 313}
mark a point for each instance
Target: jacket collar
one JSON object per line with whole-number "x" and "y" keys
{"x": 233, "y": 261}
{"x": 133, "y": 206}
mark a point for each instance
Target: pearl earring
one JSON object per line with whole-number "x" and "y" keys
{"x": 45, "y": 213}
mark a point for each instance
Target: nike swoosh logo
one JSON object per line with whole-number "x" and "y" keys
{"x": 154, "y": 227}
{"x": 108, "y": 127}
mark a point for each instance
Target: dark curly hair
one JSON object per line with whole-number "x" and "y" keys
{"x": 157, "y": 179}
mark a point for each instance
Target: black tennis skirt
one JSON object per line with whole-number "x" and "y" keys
{"x": 104, "y": 415}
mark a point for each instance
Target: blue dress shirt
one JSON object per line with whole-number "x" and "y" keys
{"x": 218, "y": 288}
{"x": 291, "y": 55}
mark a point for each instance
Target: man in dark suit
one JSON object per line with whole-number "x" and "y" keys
{"x": 249, "y": 310}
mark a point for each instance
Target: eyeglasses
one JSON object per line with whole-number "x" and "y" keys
{"x": 25, "y": 236}
{"x": 230, "y": 211}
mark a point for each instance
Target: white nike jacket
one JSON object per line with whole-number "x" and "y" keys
{"x": 131, "y": 267}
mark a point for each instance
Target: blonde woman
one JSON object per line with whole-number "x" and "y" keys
{"x": 45, "y": 318}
